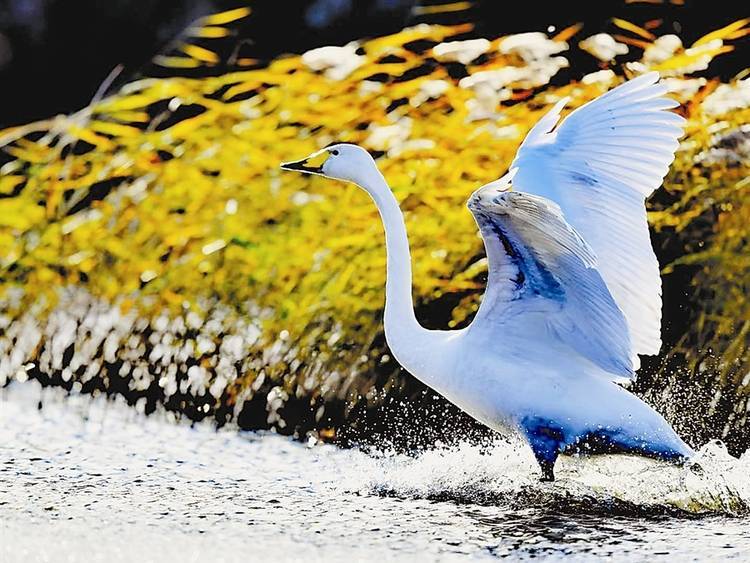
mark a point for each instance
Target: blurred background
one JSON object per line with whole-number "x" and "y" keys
{"x": 151, "y": 250}
{"x": 54, "y": 54}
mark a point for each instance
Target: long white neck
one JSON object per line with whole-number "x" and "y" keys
{"x": 401, "y": 325}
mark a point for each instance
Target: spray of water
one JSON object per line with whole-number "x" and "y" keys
{"x": 715, "y": 482}
{"x": 84, "y": 467}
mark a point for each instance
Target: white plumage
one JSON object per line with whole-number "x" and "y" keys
{"x": 573, "y": 294}
{"x": 542, "y": 273}
{"x": 599, "y": 165}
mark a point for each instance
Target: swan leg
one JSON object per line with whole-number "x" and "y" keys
{"x": 548, "y": 470}
{"x": 545, "y": 439}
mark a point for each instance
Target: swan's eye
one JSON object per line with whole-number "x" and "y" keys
{"x": 335, "y": 152}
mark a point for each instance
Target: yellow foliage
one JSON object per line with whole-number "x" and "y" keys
{"x": 164, "y": 213}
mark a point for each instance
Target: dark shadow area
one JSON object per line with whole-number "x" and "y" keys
{"x": 54, "y": 54}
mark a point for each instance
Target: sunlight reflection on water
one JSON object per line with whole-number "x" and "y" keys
{"x": 88, "y": 479}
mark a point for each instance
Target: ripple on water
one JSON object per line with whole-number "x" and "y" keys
{"x": 90, "y": 478}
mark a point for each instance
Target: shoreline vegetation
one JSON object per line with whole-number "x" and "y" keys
{"x": 151, "y": 248}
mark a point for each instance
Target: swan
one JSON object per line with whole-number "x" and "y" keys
{"x": 573, "y": 292}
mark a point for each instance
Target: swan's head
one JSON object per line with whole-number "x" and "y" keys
{"x": 341, "y": 161}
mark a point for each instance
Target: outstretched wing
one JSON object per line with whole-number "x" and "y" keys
{"x": 599, "y": 165}
{"x": 542, "y": 272}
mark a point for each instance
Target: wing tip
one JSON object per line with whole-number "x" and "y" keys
{"x": 650, "y": 78}
{"x": 546, "y": 123}
{"x": 561, "y": 103}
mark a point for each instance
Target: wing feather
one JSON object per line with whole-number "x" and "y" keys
{"x": 542, "y": 271}
{"x": 599, "y": 165}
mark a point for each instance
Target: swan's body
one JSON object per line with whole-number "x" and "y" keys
{"x": 564, "y": 315}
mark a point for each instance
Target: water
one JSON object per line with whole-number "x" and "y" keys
{"x": 86, "y": 479}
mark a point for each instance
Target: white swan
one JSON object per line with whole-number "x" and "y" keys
{"x": 564, "y": 315}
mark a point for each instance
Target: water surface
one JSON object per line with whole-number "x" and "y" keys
{"x": 86, "y": 479}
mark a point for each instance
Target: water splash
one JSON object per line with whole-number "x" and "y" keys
{"x": 507, "y": 474}
{"x": 83, "y": 468}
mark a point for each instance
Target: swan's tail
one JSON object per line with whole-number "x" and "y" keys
{"x": 668, "y": 448}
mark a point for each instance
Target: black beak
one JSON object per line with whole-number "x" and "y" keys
{"x": 301, "y": 166}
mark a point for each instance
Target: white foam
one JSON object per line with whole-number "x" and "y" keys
{"x": 91, "y": 479}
